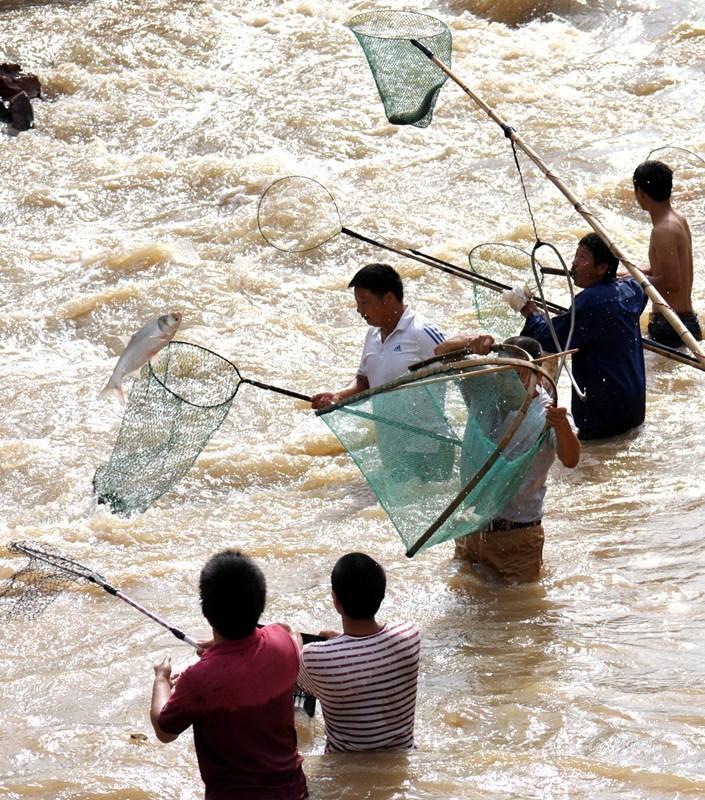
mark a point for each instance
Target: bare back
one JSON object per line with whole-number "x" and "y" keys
{"x": 671, "y": 259}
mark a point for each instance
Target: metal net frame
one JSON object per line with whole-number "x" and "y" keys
{"x": 178, "y": 402}
{"x": 28, "y": 592}
{"x": 407, "y": 82}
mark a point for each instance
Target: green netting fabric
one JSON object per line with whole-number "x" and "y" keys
{"x": 179, "y": 400}
{"x": 407, "y": 81}
{"x": 509, "y": 265}
{"x": 422, "y": 440}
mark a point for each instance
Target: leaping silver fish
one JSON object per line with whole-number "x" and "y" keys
{"x": 144, "y": 344}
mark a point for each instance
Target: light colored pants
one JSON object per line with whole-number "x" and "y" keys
{"x": 515, "y": 555}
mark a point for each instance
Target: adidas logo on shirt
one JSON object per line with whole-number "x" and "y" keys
{"x": 397, "y": 349}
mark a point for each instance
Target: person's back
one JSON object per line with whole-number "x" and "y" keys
{"x": 671, "y": 245}
{"x": 238, "y": 697}
{"x": 365, "y": 678}
{"x": 670, "y": 251}
{"x": 366, "y": 686}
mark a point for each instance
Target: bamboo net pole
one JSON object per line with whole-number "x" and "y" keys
{"x": 660, "y": 305}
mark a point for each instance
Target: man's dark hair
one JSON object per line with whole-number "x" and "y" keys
{"x": 378, "y": 279}
{"x": 654, "y": 178}
{"x": 601, "y": 253}
{"x": 359, "y": 584}
{"x": 233, "y": 593}
{"x": 532, "y": 347}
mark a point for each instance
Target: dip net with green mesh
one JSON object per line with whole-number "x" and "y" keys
{"x": 408, "y": 83}
{"x": 445, "y": 448}
{"x": 178, "y": 402}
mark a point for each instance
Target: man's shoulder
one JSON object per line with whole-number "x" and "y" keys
{"x": 408, "y": 630}
{"x": 673, "y": 224}
{"x": 418, "y": 325}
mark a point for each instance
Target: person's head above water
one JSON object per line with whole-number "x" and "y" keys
{"x": 233, "y": 593}
{"x": 655, "y": 179}
{"x": 379, "y": 295}
{"x": 593, "y": 262}
{"x": 358, "y": 584}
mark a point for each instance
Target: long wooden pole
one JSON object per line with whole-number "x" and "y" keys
{"x": 497, "y": 286}
{"x": 660, "y": 305}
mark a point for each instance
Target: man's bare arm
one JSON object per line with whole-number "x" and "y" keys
{"x": 161, "y": 691}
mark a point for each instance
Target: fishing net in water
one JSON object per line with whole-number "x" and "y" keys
{"x": 27, "y": 592}
{"x": 297, "y": 214}
{"x": 178, "y": 402}
{"x": 443, "y": 449}
{"x": 407, "y": 81}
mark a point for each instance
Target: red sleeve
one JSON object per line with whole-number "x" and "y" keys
{"x": 177, "y": 713}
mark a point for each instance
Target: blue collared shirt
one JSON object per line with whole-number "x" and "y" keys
{"x": 609, "y": 366}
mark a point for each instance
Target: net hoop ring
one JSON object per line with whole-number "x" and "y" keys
{"x": 436, "y": 371}
{"x": 179, "y": 397}
{"x": 330, "y": 199}
{"x": 421, "y": 26}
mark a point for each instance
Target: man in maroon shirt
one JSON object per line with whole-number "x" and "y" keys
{"x": 238, "y": 697}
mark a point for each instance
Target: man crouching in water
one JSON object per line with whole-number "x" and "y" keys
{"x": 511, "y": 548}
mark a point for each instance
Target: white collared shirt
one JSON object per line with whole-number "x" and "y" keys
{"x": 411, "y": 341}
{"x": 527, "y": 503}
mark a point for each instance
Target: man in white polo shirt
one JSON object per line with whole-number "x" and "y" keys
{"x": 397, "y": 338}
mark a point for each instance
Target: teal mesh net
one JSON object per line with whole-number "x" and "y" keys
{"x": 407, "y": 81}
{"x": 444, "y": 449}
{"x": 509, "y": 265}
{"x": 178, "y": 402}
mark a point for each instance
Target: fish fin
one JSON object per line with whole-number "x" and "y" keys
{"x": 113, "y": 392}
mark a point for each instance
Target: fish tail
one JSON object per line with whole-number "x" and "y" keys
{"x": 113, "y": 393}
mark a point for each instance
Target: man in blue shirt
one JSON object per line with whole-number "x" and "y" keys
{"x": 609, "y": 366}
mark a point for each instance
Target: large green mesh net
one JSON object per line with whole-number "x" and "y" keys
{"x": 407, "y": 81}
{"x": 178, "y": 402}
{"x": 443, "y": 449}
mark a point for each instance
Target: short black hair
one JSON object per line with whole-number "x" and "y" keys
{"x": 601, "y": 253}
{"x": 233, "y": 593}
{"x": 655, "y": 179}
{"x": 359, "y": 584}
{"x": 378, "y": 279}
{"x": 528, "y": 343}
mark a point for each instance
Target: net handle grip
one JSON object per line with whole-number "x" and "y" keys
{"x": 278, "y": 389}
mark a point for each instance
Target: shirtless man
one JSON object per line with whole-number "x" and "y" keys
{"x": 670, "y": 251}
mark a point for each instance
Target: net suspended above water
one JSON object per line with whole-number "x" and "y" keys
{"x": 408, "y": 83}
{"x": 179, "y": 401}
{"x": 445, "y": 448}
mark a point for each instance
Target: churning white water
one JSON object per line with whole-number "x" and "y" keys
{"x": 162, "y": 124}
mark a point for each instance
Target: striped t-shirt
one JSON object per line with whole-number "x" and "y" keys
{"x": 366, "y": 686}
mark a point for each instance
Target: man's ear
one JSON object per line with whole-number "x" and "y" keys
{"x": 336, "y": 602}
{"x": 602, "y": 268}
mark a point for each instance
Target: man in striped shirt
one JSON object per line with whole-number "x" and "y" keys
{"x": 364, "y": 678}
